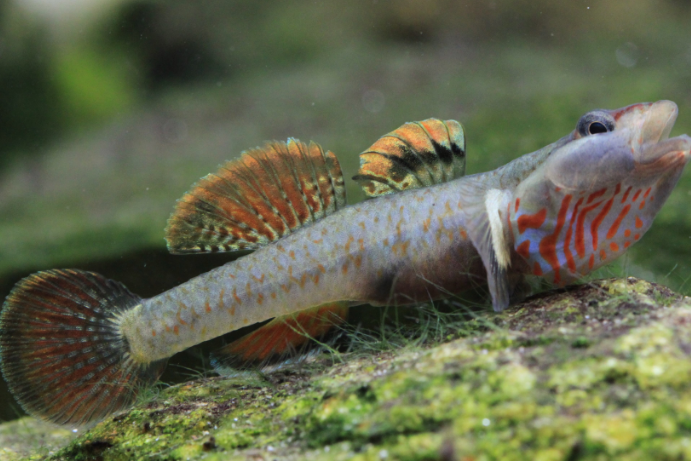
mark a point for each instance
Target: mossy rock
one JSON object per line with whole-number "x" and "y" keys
{"x": 594, "y": 371}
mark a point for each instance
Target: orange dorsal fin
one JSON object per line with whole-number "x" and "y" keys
{"x": 418, "y": 154}
{"x": 281, "y": 338}
{"x": 264, "y": 195}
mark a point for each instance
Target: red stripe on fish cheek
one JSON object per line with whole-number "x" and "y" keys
{"x": 598, "y": 220}
{"x": 531, "y": 221}
{"x": 537, "y": 270}
{"x": 596, "y": 194}
{"x": 626, "y": 194}
{"x": 548, "y": 245}
{"x": 524, "y": 249}
{"x": 617, "y": 222}
{"x": 567, "y": 238}
{"x": 580, "y": 229}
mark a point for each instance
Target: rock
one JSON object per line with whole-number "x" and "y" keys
{"x": 593, "y": 371}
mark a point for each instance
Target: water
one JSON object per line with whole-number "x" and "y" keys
{"x": 151, "y": 106}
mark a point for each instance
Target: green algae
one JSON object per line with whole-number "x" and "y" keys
{"x": 592, "y": 372}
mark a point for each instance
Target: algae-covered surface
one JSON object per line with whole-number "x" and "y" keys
{"x": 595, "y": 371}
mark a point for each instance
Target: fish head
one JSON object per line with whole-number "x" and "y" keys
{"x": 598, "y": 191}
{"x": 628, "y": 147}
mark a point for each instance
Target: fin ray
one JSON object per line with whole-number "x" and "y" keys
{"x": 417, "y": 154}
{"x": 266, "y": 194}
{"x": 61, "y": 352}
{"x": 280, "y": 338}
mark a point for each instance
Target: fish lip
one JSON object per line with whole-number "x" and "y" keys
{"x": 659, "y": 121}
{"x": 666, "y": 154}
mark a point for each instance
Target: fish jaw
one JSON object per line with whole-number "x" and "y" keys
{"x": 653, "y": 121}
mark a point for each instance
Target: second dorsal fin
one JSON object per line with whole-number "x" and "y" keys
{"x": 257, "y": 199}
{"x": 418, "y": 154}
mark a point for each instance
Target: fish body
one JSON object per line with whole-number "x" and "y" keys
{"x": 75, "y": 346}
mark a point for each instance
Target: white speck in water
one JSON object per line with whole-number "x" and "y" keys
{"x": 147, "y": 188}
{"x": 75, "y": 430}
{"x": 312, "y": 104}
{"x": 383, "y": 454}
{"x": 486, "y": 422}
{"x": 627, "y": 54}
{"x": 373, "y": 101}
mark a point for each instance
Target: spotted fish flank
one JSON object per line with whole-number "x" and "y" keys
{"x": 75, "y": 346}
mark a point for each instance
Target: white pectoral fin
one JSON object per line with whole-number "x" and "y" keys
{"x": 490, "y": 237}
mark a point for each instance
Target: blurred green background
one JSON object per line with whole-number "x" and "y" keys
{"x": 111, "y": 109}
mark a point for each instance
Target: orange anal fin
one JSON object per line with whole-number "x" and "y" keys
{"x": 264, "y": 195}
{"x": 281, "y": 337}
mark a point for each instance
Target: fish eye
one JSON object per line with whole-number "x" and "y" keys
{"x": 595, "y": 122}
{"x": 597, "y": 127}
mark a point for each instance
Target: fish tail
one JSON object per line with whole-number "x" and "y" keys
{"x": 281, "y": 338}
{"x": 61, "y": 350}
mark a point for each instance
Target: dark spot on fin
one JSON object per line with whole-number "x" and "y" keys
{"x": 264, "y": 195}
{"x": 418, "y": 154}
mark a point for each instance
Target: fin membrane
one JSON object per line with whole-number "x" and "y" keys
{"x": 281, "y": 338}
{"x": 486, "y": 229}
{"x": 60, "y": 349}
{"x": 266, "y": 194}
{"x": 418, "y": 154}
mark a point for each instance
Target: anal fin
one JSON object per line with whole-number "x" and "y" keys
{"x": 281, "y": 338}
{"x": 257, "y": 199}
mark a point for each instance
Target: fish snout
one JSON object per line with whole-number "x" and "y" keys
{"x": 659, "y": 121}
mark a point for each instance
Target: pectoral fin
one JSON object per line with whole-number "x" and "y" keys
{"x": 487, "y": 230}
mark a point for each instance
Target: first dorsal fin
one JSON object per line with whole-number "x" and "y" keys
{"x": 259, "y": 198}
{"x": 418, "y": 154}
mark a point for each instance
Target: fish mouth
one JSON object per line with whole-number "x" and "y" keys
{"x": 653, "y": 147}
{"x": 659, "y": 121}
{"x": 667, "y": 154}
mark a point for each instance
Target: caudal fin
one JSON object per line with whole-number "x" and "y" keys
{"x": 281, "y": 338}
{"x": 61, "y": 351}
